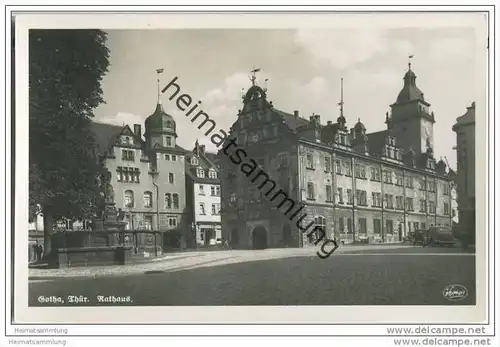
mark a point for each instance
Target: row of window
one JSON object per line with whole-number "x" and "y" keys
{"x": 133, "y": 176}
{"x": 128, "y": 175}
{"x": 201, "y": 173}
{"x": 126, "y": 140}
{"x": 171, "y": 199}
{"x": 360, "y": 172}
{"x": 129, "y": 155}
{"x": 214, "y": 190}
{"x": 390, "y": 201}
{"x": 147, "y": 222}
{"x": 345, "y": 225}
{"x": 170, "y": 157}
{"x": 215, "y": 209}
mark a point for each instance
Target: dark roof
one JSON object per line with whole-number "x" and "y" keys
{"x": 292, "y": 121}
{"x": 105, "y": 135}
{"x": 214, "y": 157}
{"x": 207, "y": 160}
{"x": 177, "y": 149}
{"x": 255, "y": 91}
{"x": 376, "y": 141}
{"x": 359, "y": 126}
{"x": 410, "y": 90}
{"x": 410, "y": 93}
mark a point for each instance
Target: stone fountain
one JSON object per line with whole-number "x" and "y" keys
{"x": 104, "y": 245}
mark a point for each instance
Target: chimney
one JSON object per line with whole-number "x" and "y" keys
{"x": 137, "y": 130}
{"x": 311, "y": 118}
{"x": 296, "y": 114}
{"x": 317, "y": 118}
{"x": 202, "y": 149}
{"x": 329, "y": 122}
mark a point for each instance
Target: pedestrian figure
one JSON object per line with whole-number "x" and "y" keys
{"x": 39, "y": 251}
{"x": 35, "y": 252}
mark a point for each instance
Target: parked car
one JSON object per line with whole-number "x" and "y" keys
{"x": 441, "y": 235}
{"x": 418, "y": 236}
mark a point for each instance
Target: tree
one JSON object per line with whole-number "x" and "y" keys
{"x": 65, "y": 72}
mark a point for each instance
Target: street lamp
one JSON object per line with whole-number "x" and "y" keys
{"x": 154, "y": 176}
{"x": 194, "y": 234}
{"x": 130, "y": 224}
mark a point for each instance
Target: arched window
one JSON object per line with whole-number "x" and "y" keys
{"x": 128, "y": 198}
{"x": 169, "y": 124}
{"x": 194, "y": 161}
{"x": 176, "y": 200}
{"x": 148, "y": 199}
{"x": 168, "y": 200}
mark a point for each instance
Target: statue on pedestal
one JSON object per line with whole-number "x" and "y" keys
{"x": 107, "y": 210}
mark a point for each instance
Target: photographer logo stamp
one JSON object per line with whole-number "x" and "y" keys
{"x": 455, "y": 292}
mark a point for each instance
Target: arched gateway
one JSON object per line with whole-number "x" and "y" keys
{"x": 259, "y": 238}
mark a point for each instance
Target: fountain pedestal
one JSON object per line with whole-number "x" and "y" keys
{"x": 104, "y": 245}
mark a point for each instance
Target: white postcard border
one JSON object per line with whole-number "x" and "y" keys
{"x": 245, "y": 314}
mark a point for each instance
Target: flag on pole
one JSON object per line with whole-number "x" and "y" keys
{"x": 255, "y": 70}
{"x": 410, "y": 56}
{"x": 158, "y": 71}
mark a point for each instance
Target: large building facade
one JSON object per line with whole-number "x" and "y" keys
{"x": 358, "y": 186}
{"x": 148, "y": 175}
{"x": 465, "y": 129}
{"x": 203, "y": 196}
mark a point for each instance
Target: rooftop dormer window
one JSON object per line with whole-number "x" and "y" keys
{"x": 200, "y": 172}
{"x": 194, "y": 161}
{"x": 212, "y": 174}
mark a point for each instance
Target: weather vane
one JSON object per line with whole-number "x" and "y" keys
{"x": 158, "y": 73}
{"x": 253, "y": 76}
{"x": 410, "y": 57}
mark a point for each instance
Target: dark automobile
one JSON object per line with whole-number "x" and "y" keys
{"x": 418, "y": 236}
{"x": 441, "y": 235}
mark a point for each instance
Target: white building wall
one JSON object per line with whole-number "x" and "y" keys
{"x": 208, "y": 220}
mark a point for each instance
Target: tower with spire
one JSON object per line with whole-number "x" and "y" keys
{"x": 160, "y": 126}
{"x": 411, "y": 120}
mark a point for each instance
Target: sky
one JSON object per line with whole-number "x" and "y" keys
{"x": 303, "y": 68}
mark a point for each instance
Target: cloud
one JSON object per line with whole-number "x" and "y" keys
{"x": 221, "y": 104}
{"x": 452, "y": 48}
{"x": 341, "y": 48}
{"x": 123, "y": 118}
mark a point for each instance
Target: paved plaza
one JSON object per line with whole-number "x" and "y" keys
{"x": 353, "y": 275}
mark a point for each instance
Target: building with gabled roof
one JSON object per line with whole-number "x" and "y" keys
{"x": 148, "y": 176}
{"x": 357, "y": 186}
{"x": 203, "y": 195}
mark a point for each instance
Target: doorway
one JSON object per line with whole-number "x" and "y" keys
{"x": 287, "y": 235}
{"x": 259, "y": 238}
